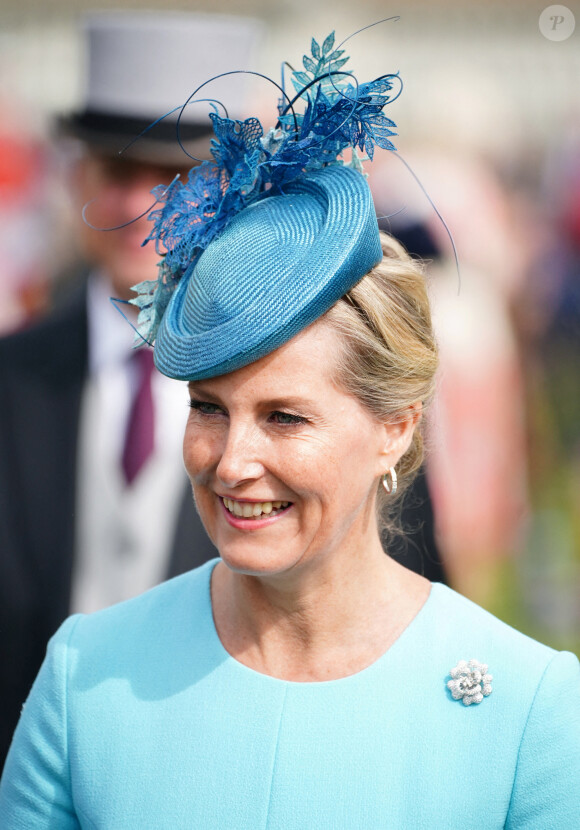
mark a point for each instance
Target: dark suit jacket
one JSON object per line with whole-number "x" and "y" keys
{"x": 42, "y": 374}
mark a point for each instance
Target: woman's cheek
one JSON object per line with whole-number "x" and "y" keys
{"x": 200, "y": 452}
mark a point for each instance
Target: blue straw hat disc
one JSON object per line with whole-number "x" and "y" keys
{"x": 254, "y": 243}
{"x": 277, "y": 267}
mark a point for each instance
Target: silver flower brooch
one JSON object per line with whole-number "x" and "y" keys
{"x": 469, "y": 682}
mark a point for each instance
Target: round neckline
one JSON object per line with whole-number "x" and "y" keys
{"x": 376, "y": 665}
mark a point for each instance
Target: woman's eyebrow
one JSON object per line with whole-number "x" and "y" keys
{"x": 291, "y": 401}
{"x": 200, "y": 391}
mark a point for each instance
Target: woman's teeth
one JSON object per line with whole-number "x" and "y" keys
{"x": 254, "y": 510}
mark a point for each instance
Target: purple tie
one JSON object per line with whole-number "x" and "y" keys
{"x": 139, "y": 439}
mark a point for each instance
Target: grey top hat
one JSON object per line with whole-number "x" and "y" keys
{"x": 141, "y": 65}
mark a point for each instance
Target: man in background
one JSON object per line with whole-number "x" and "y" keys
{"x": 95, "y": 506}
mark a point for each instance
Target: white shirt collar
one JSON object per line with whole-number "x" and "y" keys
{"x": 110, "y": 335}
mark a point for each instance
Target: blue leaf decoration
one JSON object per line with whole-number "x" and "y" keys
{"x": 328, "y": 44}
{"x": 336, "y": 65}
{"x": 300, "y": 80}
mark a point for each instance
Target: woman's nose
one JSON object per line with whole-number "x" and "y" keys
{"x": 242, "y": 457}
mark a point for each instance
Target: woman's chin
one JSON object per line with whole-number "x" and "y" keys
{"x": 254, "y": 559}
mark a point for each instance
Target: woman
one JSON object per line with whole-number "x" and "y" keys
{"x": 304, "y": 680}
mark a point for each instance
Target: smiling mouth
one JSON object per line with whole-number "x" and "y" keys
{"x": 254, "y": 510}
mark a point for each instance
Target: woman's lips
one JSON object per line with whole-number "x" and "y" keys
{"x": 249, "y": 514}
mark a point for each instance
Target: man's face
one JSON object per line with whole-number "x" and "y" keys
{"x": 119, "y": 190}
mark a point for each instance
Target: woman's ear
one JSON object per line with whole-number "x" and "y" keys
{"x": 398, "y": 433}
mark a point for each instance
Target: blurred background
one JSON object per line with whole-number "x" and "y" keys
{"x": 489, "y": 123}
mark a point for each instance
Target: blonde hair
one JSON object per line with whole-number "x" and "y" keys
{"x": 389, "y": 357}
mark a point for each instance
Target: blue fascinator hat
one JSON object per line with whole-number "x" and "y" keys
{"x": 262, "y": 241}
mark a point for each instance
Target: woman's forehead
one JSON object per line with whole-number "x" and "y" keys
{"x": 304, "y": 365}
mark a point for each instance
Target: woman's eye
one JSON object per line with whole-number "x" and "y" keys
{"x": 286, "y": 418}
{"x": 205, "y": 408}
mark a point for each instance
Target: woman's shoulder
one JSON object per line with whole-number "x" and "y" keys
{"x": 167, "y": 611}
{"x": 461, "y": 621}
{"x": 493, "y": 694}
{"x": 462, "y": 630}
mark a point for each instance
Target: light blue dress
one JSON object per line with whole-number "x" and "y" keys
{"x": 140, "y": 719}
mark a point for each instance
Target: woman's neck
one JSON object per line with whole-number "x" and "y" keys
{"x": 321, "y": 622}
